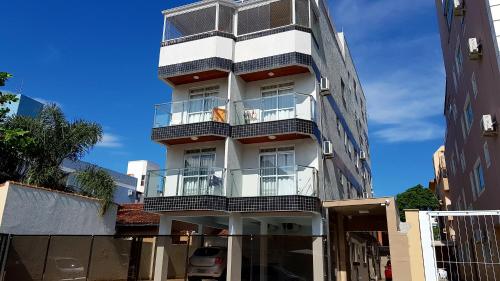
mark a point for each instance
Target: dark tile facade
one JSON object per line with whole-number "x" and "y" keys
{"x": 279, "y": 127}
{"x": 236, "y": 38}
{"x": 233, "y": 204}
{"x": 293, "y": 58}
{"x": 274, "y": 203}
{"x": 195, "y": 66}
{"x": 184, "y": 203}
{"x": 209, "y": 128}
{"x": 198, "y": 37}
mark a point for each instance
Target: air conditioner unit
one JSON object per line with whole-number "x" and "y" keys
{"x": 458, "y": 7}
{"x": 324, "y": 86}
{"x": 130, "y": 192}
{"x": 327, "y": 148}
{"x": 475, "y": 49}
{"x": 362, "y": 155}
{"x": 488, "y": 125}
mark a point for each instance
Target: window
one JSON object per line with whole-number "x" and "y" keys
{"x": 474, "y": 84}
{"x": 462, "y": 161}
{"x": 487, "y": 158}
{"x": 277, "y": 171}
{"x": 479, "y": 177}
{"x": 143, "y": 178}
{"x": 198, "y": 174}
{"x": 469, "y": 116}
{"x": 453, "y": 167}
{"x": 267, "y": 16}
{"x": 473, "y": 185}
{"x": 278, "y": 102}
{"x": 201, "y": 104}
{"x": 343, "y": 91}
{"x": 455, "y": 82}
{"x": 458, "y": 57}
{"x": 448, "y": 12}
{"x": 463, "y": 128}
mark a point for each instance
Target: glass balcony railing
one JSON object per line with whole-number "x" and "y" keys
{"x": 273, "y": 181}
{"x": 190, "y": 111}
{"x": 186, "y": 182}
{"x": 275, "y": 107}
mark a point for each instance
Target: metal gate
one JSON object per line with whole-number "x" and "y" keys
{"x": 461, "y": 245}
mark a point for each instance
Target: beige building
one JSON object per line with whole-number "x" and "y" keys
{"x": 439, "y": 185}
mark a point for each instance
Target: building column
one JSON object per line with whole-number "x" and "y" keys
{"x": 263, "y": 250}
{"x": 317, "y": 248}
{"x": 234, "y": 247}
{"x": 341, "y": 246}
{"x": 162, "y": 244}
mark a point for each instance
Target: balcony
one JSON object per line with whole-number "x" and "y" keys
{"x": 275, "y": 116}
{"x": 273, "y": 181}
{"x": 208, "y": 39}
{"x": 291, "y": 188}
{"x": 193, "y": 120}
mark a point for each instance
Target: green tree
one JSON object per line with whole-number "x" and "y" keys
{"x": 5, "y": 98}
{"x": 416, "y": 197}
{"x": 53, "y": 139}
{"x": 13, "y": 141}
{"x": 99, "y": 184}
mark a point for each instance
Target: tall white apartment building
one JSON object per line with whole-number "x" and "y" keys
{"x": 266, "y": 120}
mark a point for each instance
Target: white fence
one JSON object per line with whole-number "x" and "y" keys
{"x": 461, "y": 245}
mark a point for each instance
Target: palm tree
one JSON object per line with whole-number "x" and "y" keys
{"x": 54, "y": 139}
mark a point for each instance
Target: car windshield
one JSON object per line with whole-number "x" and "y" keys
{"x": 206, "y": 252}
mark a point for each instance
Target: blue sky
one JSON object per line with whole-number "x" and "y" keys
{"x": 98, "y": 61}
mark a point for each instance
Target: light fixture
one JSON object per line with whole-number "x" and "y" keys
{"x": 196, "y": 77}
{"x": 194, "y": 138}
{"x": 271, "y": 74}
{"x": 272, "y": 137}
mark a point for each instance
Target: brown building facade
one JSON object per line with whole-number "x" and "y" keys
{"x": 469, "y": 39}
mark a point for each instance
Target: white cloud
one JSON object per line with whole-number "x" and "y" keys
{"x": 110, "y": 141}
{"x": 400, "y": 66}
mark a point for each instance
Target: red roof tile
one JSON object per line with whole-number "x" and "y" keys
{"x": 134, "y": 214}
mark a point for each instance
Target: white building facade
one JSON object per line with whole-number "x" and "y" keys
{"x": 267, "y": 120}
{"x": 139, "y": 170}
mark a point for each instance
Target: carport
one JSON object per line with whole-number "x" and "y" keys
{"x": 370, "y": 223}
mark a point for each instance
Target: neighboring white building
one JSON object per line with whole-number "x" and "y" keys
{"x": 125, "y": 186}
{"x": 139, "y": 170}
{"x": 30, "y": 210}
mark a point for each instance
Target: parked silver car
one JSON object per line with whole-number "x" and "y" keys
{"x": 208, "y": 263}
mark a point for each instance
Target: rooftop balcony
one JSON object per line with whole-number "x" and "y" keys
{"x": 208, "y": 39}
{"x": 193, "y": 120}
{"x": 275, "y": 116}
{"x": 285, "y": 188}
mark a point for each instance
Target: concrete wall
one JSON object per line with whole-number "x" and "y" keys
{"x": 271, "y": 45}
{"x": 30, "y": 210}
{"x": 195, "y": 50}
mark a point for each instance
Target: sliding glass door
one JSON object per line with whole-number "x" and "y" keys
{"x": 201, "y": 104}
{"x": 277, "y": 171}
{"x": 278, "y": 102}
{"x": 198, "y": 172}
